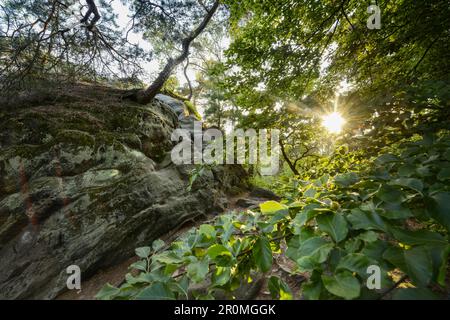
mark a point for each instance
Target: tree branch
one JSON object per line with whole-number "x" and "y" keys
{"x": 285, "y": 156}
{"x": 146, "y": 96}
{"x": 424, "y": 55}
{"x": 188, "y": 80}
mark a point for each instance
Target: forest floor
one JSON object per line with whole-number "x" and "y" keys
{"x": 115, "y": 275}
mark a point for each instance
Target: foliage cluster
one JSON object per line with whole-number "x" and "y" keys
{"x": 392, "y": 214}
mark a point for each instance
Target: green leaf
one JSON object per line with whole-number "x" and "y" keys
{"x": 143, "y": 252}
{"x": 276, "y": 218}
{"x": 197, "y": 271}
{"x": 418, "y": 262}
{"x": 139, "y": 265}
{"x": 218, "y": 250}
{"x": 444, "y": 174}
{"x": 262, "y": 254}
{"x": 312, "y": 289}
{"x": 447, "y": 154}
{"x": 313, "y": 251}
{"x": 308, "y": 212}
{"x": 208, "y": 230}
{"x": 395, "y": 256}
{"x": 322, "y": 181}
{"x": 334, "y": 225}
{"x": 141, "y": 278}
{"x": 356, "y": 262}
{"x": 342, "y": 284}
{"x": 221, "y": 276}
{"x": 310, "y": 193}
{"x": 395, "y": 211}
{"x": 368, "y": 236}
{"x": 228, "y": 228}
{"x": 375, "y": 249}
{"x": 170, "y": 269}
{"x": 168, "y": 258}
{"x": 107, "y": 292}
{"x": 412, "y": 183}
{"x": 366, "y": 220}
{"x": 352, "y": 245}
{"x": 335, "y": 256}
{"x": 438, "y": 206}
{"x": 158, "y": 245}
{"x": 415, "y": 294}
{"x": 386, "y": 158}
{"x": 346, "y": 179}
{"x": 272, "y": 207}
{"x": 420, "y": 237}
{"x": 279, "y": 289}
{"x": 424, "y": 171}
{"x": 406, "y": 170}
{"x": 390, "y": 194}
{"x": 156, "y": 291}
{"x": 180, "y": 287}
{"x": 184, "y": 284}
{"x": 127, "y": 292}
{"x": 440, "y": 260}
{"x": 294, "y": 245}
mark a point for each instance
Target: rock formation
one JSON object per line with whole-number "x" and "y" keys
{"x": 85, "y": 178}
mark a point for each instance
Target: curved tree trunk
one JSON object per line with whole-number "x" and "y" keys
{"x": 146, "y": 96}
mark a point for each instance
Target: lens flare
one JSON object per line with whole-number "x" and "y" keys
{"x": 333, "y": 122}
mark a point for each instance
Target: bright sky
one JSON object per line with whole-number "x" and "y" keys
{"x": 152, "y": 68}
{"x": 123, "y": 20}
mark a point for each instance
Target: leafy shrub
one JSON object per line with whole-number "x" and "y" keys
{"x": 395, "y": 215}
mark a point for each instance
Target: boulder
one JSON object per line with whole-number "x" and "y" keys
{"x": 81, "y": 183}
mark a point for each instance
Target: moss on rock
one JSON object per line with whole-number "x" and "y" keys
{"x": 81, "y": 183}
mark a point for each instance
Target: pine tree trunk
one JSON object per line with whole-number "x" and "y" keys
{"x": 147, "y": 95}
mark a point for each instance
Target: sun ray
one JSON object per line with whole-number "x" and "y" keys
{"x": 333, "y": 122}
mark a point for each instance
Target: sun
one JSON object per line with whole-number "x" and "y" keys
{"x": 333, "y": 122}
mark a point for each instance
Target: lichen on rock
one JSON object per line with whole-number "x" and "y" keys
{"x": 82, "y": 183}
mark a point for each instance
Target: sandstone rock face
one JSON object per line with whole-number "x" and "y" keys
{"x": 85, "y": 179}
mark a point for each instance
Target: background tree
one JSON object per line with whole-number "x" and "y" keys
{"x": 398, "y": 75}
{"x": 44, "y": 40}
{"x": 171, "y": 17}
